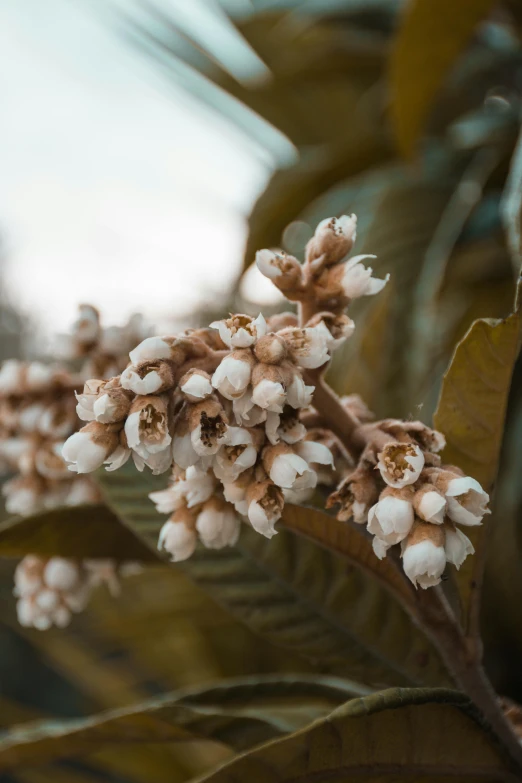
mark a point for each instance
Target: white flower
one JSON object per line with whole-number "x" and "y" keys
{"x": 61, "y": 574}
{"x": 146, "y": 427}
{"x": 265, "y": 506}
{"x": 338, "y": 329}
{"x": 232, "y": 377}
{"x": 457, "y": 546}
{"x": 150, "y": 349}
{"x": 235, "y": 492}
{"x": 82, "y": 491}
{"x": 430, "y": 505}
{"x": 29, "y": 417}
{"x": 236, "y": 455}
{"x": 246, "y": 412}
{"x": 287, "y": 428}
{"x": 467, "y": 501}
{"x": 197, "y": 386}
{"x": 86, "y": 399}
{"x": 117, "y": 458}
{"x": 170, "y": 499}
{"x": 38, "y": 375}
{"x": 423, "y": 555}
{"x": 391, "y": 519}
{"x": 83, "y": 453}
{"x": 183, "y": 452}
{"x": 11, "y": 376}
{"x": 269, "y": 395}
{"x": 298, "y": 395}
{"x": 149, "y": 384}
{"x": 218, "y": 525}
{"x": 240, "y": 331}
{"x": 178, "y": 540}
{"x": 197, "y": 486}
{"x": 308, "y": 346}
{"x": 400, "y": 463}
{"x": 21, "y": 497}
{"x": 290, "y": 471}
{"x": 357, "y": 280}
{"x": 333, "y": 239}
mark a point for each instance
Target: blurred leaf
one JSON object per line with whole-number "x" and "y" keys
{"x": 238, "y": 713}
{"x": 91, "y": 531}
{"x": 511, "y": 207}
{"x": 393, "y": 735}
{"x": 471, "y": 414}
{"x": 299, "y": 596}
{"x": 430, "y": 38}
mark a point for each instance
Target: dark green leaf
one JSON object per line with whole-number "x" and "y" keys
{"x": 240, "y": 713}
{"x": 396, "y": 735}
{"x": 91, "y": 531}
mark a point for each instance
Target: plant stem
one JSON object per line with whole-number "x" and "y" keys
{"x": 463, "y": 660}
{"x": 337, "y": 418}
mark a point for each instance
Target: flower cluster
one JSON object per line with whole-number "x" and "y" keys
{"x": 405, "y": 496}
{"x": 50, "y": 590}
{"x": 223, "y": 406}
{"x": 37, "y": 415}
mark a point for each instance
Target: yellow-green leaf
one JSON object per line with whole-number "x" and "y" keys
{"x": 91, "y": 531}
{"x": 396, "y": 735}
{"x": 471, "y": 414}
{"x": 431, "y": 36}
{"x": 239, "y": 713}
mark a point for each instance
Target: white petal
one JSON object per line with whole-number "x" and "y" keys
{"x": 149, "y": 349}
{"x": 197, "y": 386}
{"x": 132, "y": 429}
{"x": 391, "y": 519}
{"x": 117, "y": 459}
{"x": 424, "y": 563}
{"x": 285, "y": 469}
{"x": 232, "y": 377}
{"x": 432, "y": 508}
{"x": 259, "y": 520}
{"x": 177, "y": 540}
{"x": 315, "y": 452}
{"x": 266, "y": 263}
{"x": 61, "y": 574}
{"x": 457, "y": 547}
{"x": 379, "y": 547}
{"x": 298, "y": 394}
{"x": 183, "y": 451}
{"x": 271, "y": 427}
{"x": 270, "y": 395}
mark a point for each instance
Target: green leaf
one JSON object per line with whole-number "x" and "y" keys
{"x": 399, "y": 734}
{"x": 429, "y": 40}
{"x": 240, "y": 713}
{"x": 299, "y": 596}
{"x": 91, "y": 531}
{"x": 471, "y": 414}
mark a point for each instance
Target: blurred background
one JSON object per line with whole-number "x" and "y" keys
{"x": 148, "y": 150}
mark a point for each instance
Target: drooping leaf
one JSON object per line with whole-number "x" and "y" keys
{"x": 91, "y": 531}
{"x": 395, "y": 735}
{"x": 471, "y": 414}
{"x": 239, "y": 713}
{"x": 429, "y": 40}
{"x": 301, "y": 597}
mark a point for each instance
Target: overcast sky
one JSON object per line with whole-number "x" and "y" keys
{"x": 113, "y": 188}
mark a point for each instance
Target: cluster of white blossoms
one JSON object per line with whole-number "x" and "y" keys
{"x": 222, "y": 407}
{"x": 51, "y": 590}
{"x": 240, "y": 414}
{"x": 37, "y": 415}
{"x": 405, "y": 496}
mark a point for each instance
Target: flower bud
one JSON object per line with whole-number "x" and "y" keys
{"x": 271, "y": 349}
{"x": 218, "y": 524}
{"x": 283, "y": 270}
{"x": 112, "y": 403}
{"x": 152, "y": 349}
{"x": 86, "y": 399}
{"x": 423, "y": 555}
{"x": 467, "y": 501}
{"x": 400, "y": 463}
{"x": 178, "y": 536}
{"x": 333, "y": 240}
{"x": 429, "y": 504}
{"x": 232, "y": 376}
{"x": 265, "y": 506}
{"x": 89, "y": 448}
{"x": 269, "y": 387}
{"x": 240, "y": 331}
{"x": 287, "y": 469}
{"x": 196, "y": 385}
